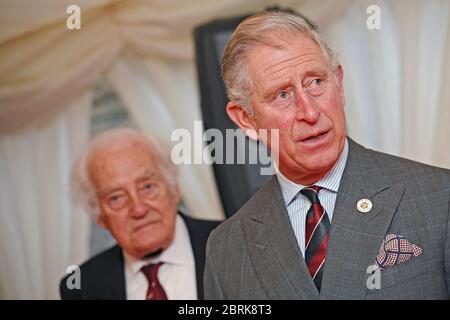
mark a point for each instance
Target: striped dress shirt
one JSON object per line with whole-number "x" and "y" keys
{"x": 297, "y": 205}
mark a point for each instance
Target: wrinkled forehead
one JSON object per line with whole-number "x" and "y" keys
{"x": 295, "y": 50}
{"x": 117, "y": 163}
{"x": 109, "y": 150}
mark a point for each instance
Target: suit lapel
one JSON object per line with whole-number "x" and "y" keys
{"x": 119, "y": 284}
{"x": 198, "y": 250}
{"x": 110, "y": 284}
{"x": 355, "y": 237}
{"x": 273, "y": 248}
{"x": 198, "y": 234}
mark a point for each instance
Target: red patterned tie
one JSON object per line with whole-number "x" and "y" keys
{"x": 155, "y": 290}
{"x": 316, "y": 234}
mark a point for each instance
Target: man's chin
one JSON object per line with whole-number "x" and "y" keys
{"x": 146, "y": 228}
{"x": 320, "y": 161}
{"x": 149, "y": 246}
{"x": 316, "y": 167}
{"x": 146, "y": 251}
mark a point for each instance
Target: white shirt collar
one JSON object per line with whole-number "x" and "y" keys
{"x": 179, "y": 251}
{"x": 330, "y": 181}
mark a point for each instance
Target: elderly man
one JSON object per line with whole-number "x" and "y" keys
{"x": 337, "y": 221}
{"x": 129, "y": 184}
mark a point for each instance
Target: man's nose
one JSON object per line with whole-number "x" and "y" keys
{"x": 306, "y": 108}
{"x": 139, "y": 208}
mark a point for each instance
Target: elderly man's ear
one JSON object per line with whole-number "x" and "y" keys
{"x": 243, "y": 120}
{"x": 177, "y": 195}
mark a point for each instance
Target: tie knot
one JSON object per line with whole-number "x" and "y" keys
{"x": 312, "y": 193}
{"x": 151, "y": 271}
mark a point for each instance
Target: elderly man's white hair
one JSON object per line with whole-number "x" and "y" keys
{"x": 81, "y": 188}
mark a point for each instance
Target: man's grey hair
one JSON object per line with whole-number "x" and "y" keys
{"x": 266, "y": 28}
{"x": 82, "y": 190}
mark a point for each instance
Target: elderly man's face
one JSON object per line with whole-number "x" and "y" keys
{"x": 136, "y": 204}
{"x": 295, "y": 91}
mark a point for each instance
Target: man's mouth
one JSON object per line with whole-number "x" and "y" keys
{"x": 143, "y": 225}
{"x": 315, "y": 137}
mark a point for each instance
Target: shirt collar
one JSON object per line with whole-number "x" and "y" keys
{"x": 330, "y": 181}
{"x": 179, "y": 252}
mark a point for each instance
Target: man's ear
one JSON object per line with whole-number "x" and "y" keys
{"x": 177, "y": 195}
{"x": 243, "y": 120}
{"x": 340, "y": 76}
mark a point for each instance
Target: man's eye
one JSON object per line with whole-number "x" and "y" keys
{"x": 149, "y": 189}
{"x": 116, "y": 202}
{"x": 148, "y": 186}
{"x": 317, "y": 82}
{"x": 283, "y": 94}
{"x": 114, "y": 198}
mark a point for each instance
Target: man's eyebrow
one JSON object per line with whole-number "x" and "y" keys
{"x": 107, "y": 191}
{"x": 271, "y": 90}
{"x": 320, "y": 73}
{"x": 147, "y": 175}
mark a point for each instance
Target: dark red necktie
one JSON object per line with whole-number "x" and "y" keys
{"x": 316, "y": 235}
{"x": 155, "y": 290}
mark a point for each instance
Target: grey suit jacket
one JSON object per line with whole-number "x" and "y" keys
{"x": 254, "y": 254}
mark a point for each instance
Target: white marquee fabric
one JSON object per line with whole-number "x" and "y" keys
{"x": 396, "y": 78}
{"x": 395, "y": 85}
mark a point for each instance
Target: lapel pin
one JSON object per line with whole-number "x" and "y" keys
{"x": 364, "y": 205}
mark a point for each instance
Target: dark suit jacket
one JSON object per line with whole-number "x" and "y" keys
{"x": 255, "y": 255}
{"x": 103, "y": 276}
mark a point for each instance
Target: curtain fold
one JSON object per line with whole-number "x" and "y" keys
{"x": 40, "y": 233}
{"x": 396, "y": 81}
{"x": 42, "y": 63}
{"x": 441, "y": 152}
{"x": 41, "y": 72}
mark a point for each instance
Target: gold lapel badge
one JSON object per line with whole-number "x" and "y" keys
{"x": 364, "y": 205}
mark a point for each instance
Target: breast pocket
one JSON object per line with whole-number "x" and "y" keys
{"x": 402, "y": 272}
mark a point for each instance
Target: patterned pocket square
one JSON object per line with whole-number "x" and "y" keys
{"x": 395, "y": 250}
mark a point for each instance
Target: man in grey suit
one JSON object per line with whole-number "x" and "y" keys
{"x": 337, "y": 221}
